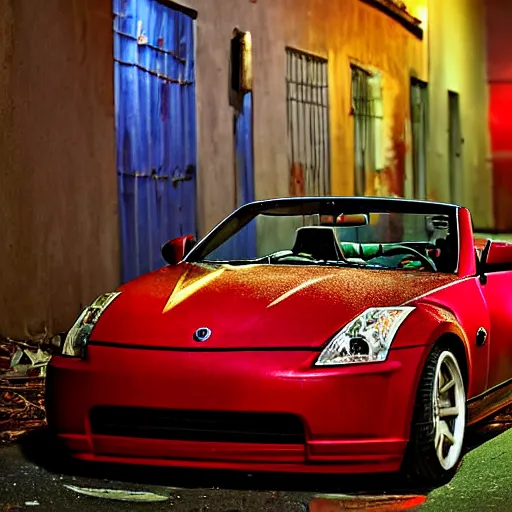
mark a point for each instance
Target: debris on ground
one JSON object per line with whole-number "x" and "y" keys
{"x": 119, "y": 495}
{"x": 21, "y": 407}
{"x": 22, "y": 377}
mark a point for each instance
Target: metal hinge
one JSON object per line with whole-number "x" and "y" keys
{"x": 188, "y": 175}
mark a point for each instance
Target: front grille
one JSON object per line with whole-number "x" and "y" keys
{"x": 182, "y": 425}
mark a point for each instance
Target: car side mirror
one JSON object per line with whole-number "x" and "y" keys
{"x": 176, "y": 249}
{"x": 496, "y": 257}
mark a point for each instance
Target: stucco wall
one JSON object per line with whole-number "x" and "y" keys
{"x": 457, "y": 63}
{"x": 343, "y": 32}
{"x": 58, "y": 189}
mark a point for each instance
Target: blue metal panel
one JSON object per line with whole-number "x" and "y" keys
{"x": 155, "y": 129}
{"x": 244, "y": 152}
{"x": 245, "y": 172}
{"x": 243, "y": 244}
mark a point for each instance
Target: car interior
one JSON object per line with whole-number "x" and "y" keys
{"x": 320, "y": 243}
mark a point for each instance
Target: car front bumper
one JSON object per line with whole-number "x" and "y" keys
{"x": 355, "y": 418}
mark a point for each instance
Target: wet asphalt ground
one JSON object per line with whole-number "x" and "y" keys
{"x": 30, "y": 479}
{"x": 28, "y": 475}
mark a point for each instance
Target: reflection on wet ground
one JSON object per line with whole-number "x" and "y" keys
{"x": 241, "y": 492}
{"x": 33, "y": 462}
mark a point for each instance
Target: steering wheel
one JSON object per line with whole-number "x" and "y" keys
{"x": 402, "y": 249}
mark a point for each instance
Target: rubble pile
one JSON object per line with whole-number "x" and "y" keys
{"x": 22, "y": 380}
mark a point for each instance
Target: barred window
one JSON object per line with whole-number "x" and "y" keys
{"x": 308, "y": 123}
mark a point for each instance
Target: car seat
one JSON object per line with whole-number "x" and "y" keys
{"x": 445, "y": 261}
{"x": 320, "y": 242}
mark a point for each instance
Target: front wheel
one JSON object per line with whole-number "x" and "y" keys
{"x": 439, "y": 421}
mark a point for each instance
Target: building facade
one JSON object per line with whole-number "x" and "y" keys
{"x": 128, "y": 122}
{"x": 458, "y": 164}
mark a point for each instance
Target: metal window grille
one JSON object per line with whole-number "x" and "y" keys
{"x": 308, "y": 123}
{"x": 367, "y": 111}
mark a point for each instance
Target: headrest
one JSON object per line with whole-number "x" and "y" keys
{"x": 318, "y": 241}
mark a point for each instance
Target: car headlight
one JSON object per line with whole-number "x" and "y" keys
{"x": 77, "y": 338}
{"x": 366, "y": 339}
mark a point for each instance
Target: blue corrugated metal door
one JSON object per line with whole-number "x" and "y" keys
{"x": 155, "y": 129}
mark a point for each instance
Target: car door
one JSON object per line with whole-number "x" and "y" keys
{"x": 497, "y": 291}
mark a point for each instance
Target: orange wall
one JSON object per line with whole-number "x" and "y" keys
{"x": 351, "y": 31}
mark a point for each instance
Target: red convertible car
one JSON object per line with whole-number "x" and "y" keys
{"x": 342, "y": 335}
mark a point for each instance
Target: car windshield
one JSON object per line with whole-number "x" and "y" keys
{"x": 336, "y": 233}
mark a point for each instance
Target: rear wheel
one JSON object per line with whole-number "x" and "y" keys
{"x": 439, "y": 422}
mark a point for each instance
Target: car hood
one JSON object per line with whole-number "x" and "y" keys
{"x": 259, "y": 306}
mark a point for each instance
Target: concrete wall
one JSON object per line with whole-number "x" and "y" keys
{"x": 457, "y": 63}
{"x": 58, "y": 190}
{"x": 499, "y": 73}
{"x": 344, "y": 32}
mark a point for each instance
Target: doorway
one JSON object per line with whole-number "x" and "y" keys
{"x": 454, "y": 147}
{"x": 155, "y": 121}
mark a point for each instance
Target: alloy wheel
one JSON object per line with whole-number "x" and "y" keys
{"x": 449, "y": 410}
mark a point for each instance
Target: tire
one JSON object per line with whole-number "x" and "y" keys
{"x": 439, "y": 421}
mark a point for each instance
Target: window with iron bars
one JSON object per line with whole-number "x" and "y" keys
{"x": 368, "y": 119}
{"x": 307, "y": 98}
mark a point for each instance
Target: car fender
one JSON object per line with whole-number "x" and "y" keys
{"x": 424, "y": 327}
{"x": 432, "y": 321}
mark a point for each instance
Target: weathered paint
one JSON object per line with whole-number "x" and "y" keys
{"x": 58, "y": 191}
{"x": 155, "y": 128}
{"x": 58, "y": 210}
{"x": 342, "y": 32}
{"x": 499, "y": 73}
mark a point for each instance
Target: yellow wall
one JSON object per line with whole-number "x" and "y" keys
{"x": 457, "y": 63}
